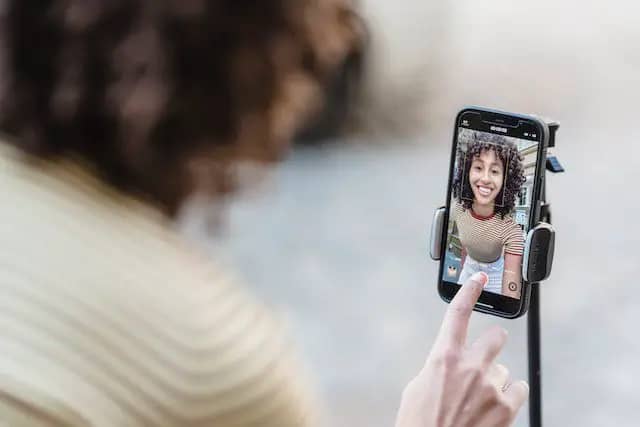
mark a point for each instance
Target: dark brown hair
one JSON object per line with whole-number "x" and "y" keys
{"x": 161, "y": 96}
{"x": 511, "y": 160}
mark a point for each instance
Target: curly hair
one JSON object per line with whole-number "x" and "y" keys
{"x": 162, "y": 97}
{"x": 511, "y": 160}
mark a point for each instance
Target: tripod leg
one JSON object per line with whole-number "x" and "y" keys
{"x": 533, "y": 326}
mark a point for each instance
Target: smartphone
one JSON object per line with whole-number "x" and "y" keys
{"x": 493, "y": 200}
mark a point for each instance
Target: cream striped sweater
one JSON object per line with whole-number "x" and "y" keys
{"x": 107, "y": 318}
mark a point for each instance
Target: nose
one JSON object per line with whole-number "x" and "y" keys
{"x": 485, "y": 178}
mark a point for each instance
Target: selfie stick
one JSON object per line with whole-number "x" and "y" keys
{"x": 537, "y": 262}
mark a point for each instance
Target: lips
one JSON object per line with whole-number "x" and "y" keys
{"x": 484, "y": 191}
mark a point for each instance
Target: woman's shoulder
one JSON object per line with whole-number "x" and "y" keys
{"x": 177, "y": 329}
{"x": 511, "y": 230}
{"x": 510, "y": 223}
{"x": 111, "y": 277}
{"x": 197, "y": 344}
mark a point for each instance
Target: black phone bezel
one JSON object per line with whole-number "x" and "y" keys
{"x": 489, "y": 302}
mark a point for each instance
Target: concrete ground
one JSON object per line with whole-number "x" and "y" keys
{"x": 337, "y": 237}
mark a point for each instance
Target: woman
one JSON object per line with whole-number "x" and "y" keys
{"x": 116, "y": 111}
{"x": 488, "y": 178}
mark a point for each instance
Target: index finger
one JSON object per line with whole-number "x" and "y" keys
{"x": 454, "y": 326}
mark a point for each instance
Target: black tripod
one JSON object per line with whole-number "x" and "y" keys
{"x": 533, "y": 317}
{"x": 533, "y": 326}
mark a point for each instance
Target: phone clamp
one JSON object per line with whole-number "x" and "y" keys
{"x": 536, "y": 267}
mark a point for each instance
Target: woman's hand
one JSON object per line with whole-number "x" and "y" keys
{"x": 460, "y": 386}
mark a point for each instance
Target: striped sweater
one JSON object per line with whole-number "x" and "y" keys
{"x": 107, "y": 318}
{"x": 486, "y": 238}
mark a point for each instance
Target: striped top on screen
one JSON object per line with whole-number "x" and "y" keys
{"x": 486, "y": 238}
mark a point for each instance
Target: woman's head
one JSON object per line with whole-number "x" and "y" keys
{"x": 163, "y": 95}
{"x": 489, "y": 172}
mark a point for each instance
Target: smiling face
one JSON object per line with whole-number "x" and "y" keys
{"x": 485, "y": 177}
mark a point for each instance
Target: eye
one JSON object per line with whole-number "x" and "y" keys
{"x": 495, "y": 171}
{"x": 477, "y": 167}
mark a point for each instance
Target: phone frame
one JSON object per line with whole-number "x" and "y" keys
{"x": 489, "y": 302}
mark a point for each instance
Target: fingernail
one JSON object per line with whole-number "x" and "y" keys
{"x": 526, "y": 385}
{"x": 480, "y": 277}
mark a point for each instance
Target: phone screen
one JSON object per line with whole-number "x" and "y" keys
{"x": 492, "y": 196}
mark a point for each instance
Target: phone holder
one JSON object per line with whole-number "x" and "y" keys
{"x": 538, "y": 248}
{"x": 536, "y": 267}
{"x": 540, "y": 242}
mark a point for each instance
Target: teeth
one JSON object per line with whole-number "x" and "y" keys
{"x": 484, "y": 191}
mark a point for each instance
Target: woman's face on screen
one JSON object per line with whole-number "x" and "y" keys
{"x": 485, "y": 177}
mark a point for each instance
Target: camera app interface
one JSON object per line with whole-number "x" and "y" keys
{"x": 490, "y": 206}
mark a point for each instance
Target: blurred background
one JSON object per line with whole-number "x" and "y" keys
{"x": 336, "y": 237}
